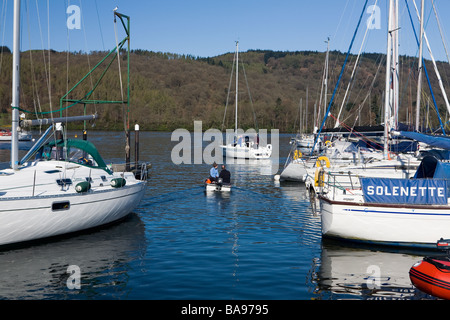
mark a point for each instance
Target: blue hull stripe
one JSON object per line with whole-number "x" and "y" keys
{"x": 397, "y": 212}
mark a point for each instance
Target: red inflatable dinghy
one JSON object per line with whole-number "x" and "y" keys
{"x": 432, "y": 274}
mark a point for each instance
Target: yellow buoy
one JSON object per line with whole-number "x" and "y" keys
{"x": 319, "y": 162}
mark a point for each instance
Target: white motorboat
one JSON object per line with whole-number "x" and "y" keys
{"x": 212, "y": 186}
{"x": 60, "y": 186}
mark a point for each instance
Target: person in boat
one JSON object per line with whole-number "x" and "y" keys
{"x": 247, "y": 141}
{"x": 214, "y": 173}
{"x": 225, "y": 175}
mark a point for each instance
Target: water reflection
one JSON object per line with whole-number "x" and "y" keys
{"x": 104, "y": 257}
{"x": 347, "y": 272}
{"x": 265, "y": 167}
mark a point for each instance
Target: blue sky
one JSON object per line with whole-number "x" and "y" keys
{"x": 207, "y": 27}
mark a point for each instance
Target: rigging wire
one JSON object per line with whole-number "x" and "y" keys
{"x": 4, "y": 8}
{"x": 444, "y": 42}
{"x": 49, "y": 58}
{"x": 355, "y": 67}
{"x": 340, "y": 76}
{"x": 229, "y": 89}
{"x": 425, "y": 71}
{"x": 99, "y": 25}
{"x": 248, "y": 90}
{"x": 34, "y": 88}
{"x": 87, "y": 47}
{"x": 67, "y": 58}
{"x": 250, "y": 97}
{"x": 124, "y": 114}
{"x": 120, "y": 70}
{"x": 369, "y": 90}
{"x": 46, "y": 69}
{"x": 440, "y": 30}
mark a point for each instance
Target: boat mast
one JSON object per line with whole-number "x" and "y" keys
{"x": 419, "y": 81}
{"x": 387, "y": 95}
{"x": 395, "y": 68}
{"x": 392, "y": 76}
{"x": 327, "y": 57}
{"x": 324, "y": 85}
{"x": 237, "y": 78}
{"x": 15, "y": 88}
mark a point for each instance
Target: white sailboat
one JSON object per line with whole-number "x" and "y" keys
{"x": 61, "y": 186}
{"x": 364, "y": 161}
{"x": 388, "y": 211}
{"x": 305, "y": 150}
{"x": 244, "y": 145}
{"x": 23, "y": 135}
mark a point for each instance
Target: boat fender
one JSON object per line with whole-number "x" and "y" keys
{"x": 297, "y": 154}
{"x": 318, "y": 177}
{"x": 323, "y": 158}
{"x": 84, "y": 186}
{"x": 118, "y": 182}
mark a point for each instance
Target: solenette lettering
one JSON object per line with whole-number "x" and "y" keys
{"x": 405, "y": 191}
{"x": 432, "y": 190}
{"x": 395, "y": 191}
{"x": 422, "y": 189}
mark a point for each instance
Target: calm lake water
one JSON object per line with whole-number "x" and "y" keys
{"x": 262, "y": 241}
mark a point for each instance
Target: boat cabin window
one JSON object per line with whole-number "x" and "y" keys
{"x": 82, "y": 157}
{"x": 74, "y": 155}
{"x": 64, "y": 182}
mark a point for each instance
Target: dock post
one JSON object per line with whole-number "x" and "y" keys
{"x": 136, "y": 145}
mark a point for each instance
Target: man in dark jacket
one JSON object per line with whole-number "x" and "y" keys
{"x": 225, "y": 175}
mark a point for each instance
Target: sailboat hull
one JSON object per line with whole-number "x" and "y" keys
{"x": 25, "y": 219}
{"x": 396, "y": 225}
{"x": 243, "y": 152}
{"x": 294, "y": 171}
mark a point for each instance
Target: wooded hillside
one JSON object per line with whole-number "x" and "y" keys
{"x": 170, "y": 91}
